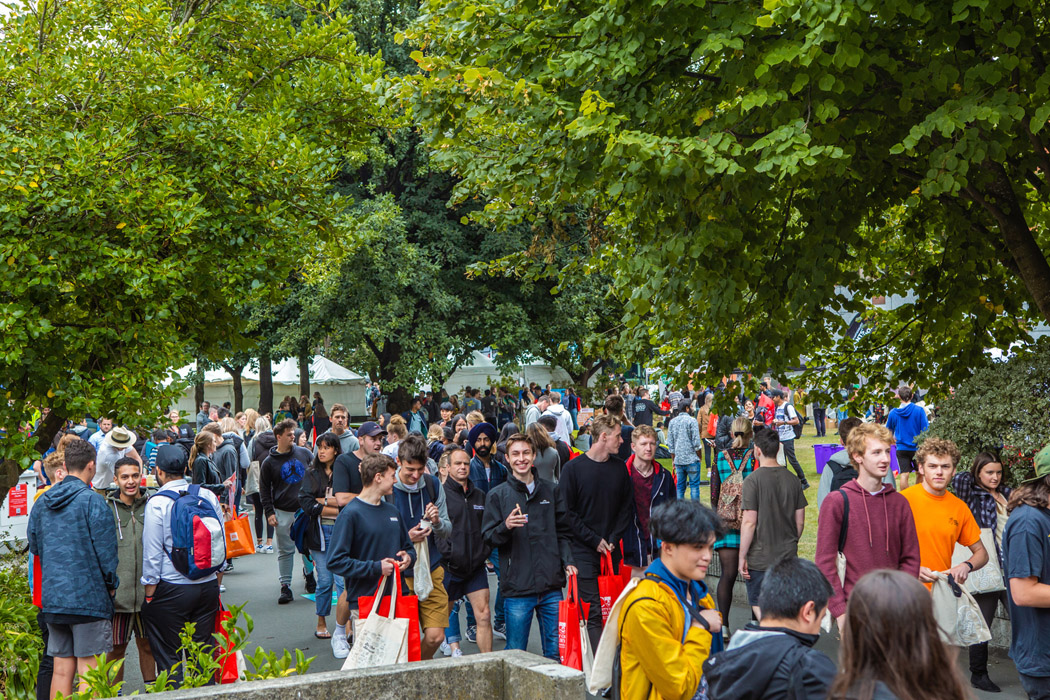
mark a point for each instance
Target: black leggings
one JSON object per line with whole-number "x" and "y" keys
{"x": 256, "y": 502}
{"x": 729, "y": 558}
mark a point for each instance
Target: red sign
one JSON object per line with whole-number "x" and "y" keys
{"x": 18, "y": 500}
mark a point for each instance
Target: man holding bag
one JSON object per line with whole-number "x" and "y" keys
{"x": 528, "y": 521}
{"x": 369, "y": 539}
{"x": 420, "y": 500}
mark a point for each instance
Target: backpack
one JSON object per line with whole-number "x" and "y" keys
{"x": 731, "y": 494}
{"x": 841, "y": 475}
{"x": 198, "y": 541}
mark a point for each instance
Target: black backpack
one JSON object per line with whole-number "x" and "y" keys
{"x": 841, "y": 474}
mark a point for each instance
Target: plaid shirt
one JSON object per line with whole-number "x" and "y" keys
{"x": 981, "y": 503}
{"x": 683, "y": 439}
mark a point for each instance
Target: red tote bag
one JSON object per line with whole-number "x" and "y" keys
{"x": 228, "y": 672}
{"x": 406, "y": 607}
{"x": 610, "y": 586}
{"x": 571, "y": 612}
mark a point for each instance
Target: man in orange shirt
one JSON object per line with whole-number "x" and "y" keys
{"x": 942, "y": 519}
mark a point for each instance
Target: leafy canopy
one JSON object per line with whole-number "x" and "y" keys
{"x": 159, "y": 164}
{"x": 755, "y": 173}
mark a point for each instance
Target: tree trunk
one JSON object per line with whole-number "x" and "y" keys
{"x": 10, "y": 470}
{"x": 238, "y": 389}
{"x": 265, "y": 385}
{"x": 198, "y": 387}
{"x": 304, "y": 373}
{"x": 1032, "y": 264}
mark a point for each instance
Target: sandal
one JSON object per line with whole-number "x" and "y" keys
{"x": 325, "y": 635}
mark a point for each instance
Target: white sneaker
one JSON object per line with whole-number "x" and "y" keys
{"x": 445, "y": 648}
{"x": 340, "y": 647}
{"x": 222, "y": 588}
{"x": 268, "y": 549}
{"x": 456, "y": 653}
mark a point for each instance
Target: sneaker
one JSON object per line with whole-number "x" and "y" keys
{"x": 340, "y": 647}
{"x": 259, "y": 547}
{"x": 472, "y": 634}
{"x": 228, "y": 566}
{"x": 268, "y": 549}
{"x": 311, "y": 583}
{"x": 445, "y": 648}
{"x": 222, "y": 588}
{"x": 286, "y": 595}
{"x": 499, "y": 631}
{"x": 456, "y": 653}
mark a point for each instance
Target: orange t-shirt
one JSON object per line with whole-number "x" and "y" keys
{"x": 940, "y": 522}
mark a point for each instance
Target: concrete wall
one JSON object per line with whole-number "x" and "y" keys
{"x": 504, "y": 675}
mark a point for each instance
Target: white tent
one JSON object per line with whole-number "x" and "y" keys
{"x": 481, "y": 371}
{"x": 337, "y": 384}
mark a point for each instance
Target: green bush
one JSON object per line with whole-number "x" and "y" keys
{"x": 20, "y": 641}
{"x": 1003, "y": 405}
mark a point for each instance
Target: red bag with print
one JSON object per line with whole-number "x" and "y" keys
{"x": 406, "y": 607}
{"x": 610, "y": 586}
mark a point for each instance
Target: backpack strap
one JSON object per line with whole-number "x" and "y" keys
{"x": 617, "y": 663}
{"x": 431, "y": 483}
{"x": 844, "y": 525}
{"x": 733, "y": 468}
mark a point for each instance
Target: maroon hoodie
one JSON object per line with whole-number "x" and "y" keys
{"x": 880, "y": 535}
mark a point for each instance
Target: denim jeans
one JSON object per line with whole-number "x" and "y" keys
{"x": 1037, "y": 687}
{"x": 519, "y": 621}
{"x": 691, "y": 470}
{"x": 325, "y": 580}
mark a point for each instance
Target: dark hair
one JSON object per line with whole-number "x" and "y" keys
{"x": 891, "y": 636}
{"x": 767, "y": 441}
{"x": 330, "y": 440}
{"x": 123, "y": 462}
{"x": 685, "y": 522}
{"x": 614, "y": 404}
{"x": 548, "y": 422}
{"x": 78, "y": 455}
{"x": 791, "y": 583}
{"x": 846, "y": 425}
{"x": 451, "y": 450}
{"x": 905, "y": 393}
{"x": 284, "y": 426}
{"x": 776, "y": 394}
{"x": 160, "y": 436}
{"x": 319, "y": 411}
{"x": 981, "y": 460}
{"x": 375, "y": 465}
{"x": 412, "y": 449}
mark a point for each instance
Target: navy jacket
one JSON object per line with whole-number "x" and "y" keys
{"x": 71, "y": 531}
{"x": 478, "y": 478}
{"x": 638, "y": 546}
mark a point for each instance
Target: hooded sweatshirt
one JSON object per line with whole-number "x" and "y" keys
{"x": 128, "y": 520}
{"x": 880, "y": 535}
{"x": 262, "y": 443}
{"x": 564, "y": 431}
{"x": 71, "y": 531}
{"x": 279, "y": 479}
{"x": 412, "y": 501}
{"x": 907, "y": 422}
{"x": 765, "y": 663}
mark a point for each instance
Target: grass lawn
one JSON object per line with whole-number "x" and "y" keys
{"x": 807, "y": 546}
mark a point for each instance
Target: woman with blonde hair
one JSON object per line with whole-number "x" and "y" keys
{"x": 738, "y": 457}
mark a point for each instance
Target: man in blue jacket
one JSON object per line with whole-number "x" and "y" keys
{"x": 906, "y": 422}
{"x": 71, "y": 531}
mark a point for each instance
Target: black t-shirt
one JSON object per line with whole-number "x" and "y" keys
{"x": 346, "y": 474}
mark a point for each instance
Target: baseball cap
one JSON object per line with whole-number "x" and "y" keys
{"x": 370, "y": 429}
{"x": 1042, "y": 465}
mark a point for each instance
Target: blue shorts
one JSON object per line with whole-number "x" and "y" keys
{"x": 459, "y": 587}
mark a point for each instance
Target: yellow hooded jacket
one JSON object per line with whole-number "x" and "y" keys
{"x": 655, "y": 663}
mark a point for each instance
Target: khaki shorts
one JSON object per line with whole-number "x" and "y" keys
{"x": 433, "y": 612}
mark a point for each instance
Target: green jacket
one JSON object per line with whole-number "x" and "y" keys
{"x": 128, "y": 523}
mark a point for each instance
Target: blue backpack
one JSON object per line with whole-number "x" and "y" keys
{"x": 198, "y": 540}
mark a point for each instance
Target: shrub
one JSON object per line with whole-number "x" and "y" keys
{"x": 20, "y": 642}
{"x": 1005, "y": 405}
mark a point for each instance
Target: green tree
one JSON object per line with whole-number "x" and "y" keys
{"x": 1004, "y": 405}
{"x": 158, "y": 164}
{"x": 756, "y": 173}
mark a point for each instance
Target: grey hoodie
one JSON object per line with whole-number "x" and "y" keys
{"x": 412, "y": 502}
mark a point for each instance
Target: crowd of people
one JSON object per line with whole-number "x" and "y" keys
{"x": 126, "y": 536}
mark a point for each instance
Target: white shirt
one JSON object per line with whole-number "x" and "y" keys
{"x": 96, "y": 439}
{"x": 156, "y": 537}
{"x": 105, "y": 461}
{"x": 786, "y": 412}
{"x": 391, "y": 450}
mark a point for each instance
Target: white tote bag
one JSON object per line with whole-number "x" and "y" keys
{"x": 840, "y": 558}
{"x": 378, "y": 640}
{"x": 987, "y": 579}
{"x": 422, "y": 584}
{"x": 601, "y": 672}
{"x": 959, "y": 620}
